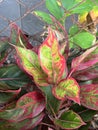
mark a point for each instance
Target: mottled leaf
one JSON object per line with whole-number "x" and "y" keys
{"x": 32, "y": 102}
{"x": 28, "y": 60}
{"x": 52, "y": 62}
{"x": 23, "y": 125}
{"x": 28, "y": 106}
{"x": 69, "y": 120}
{"x": 89, "y": 96}
{"x": 88, "y": 74}
{"x": 67, "y": 88}
{"x": 29, "y": 123}
{"x": 78, "y": 61}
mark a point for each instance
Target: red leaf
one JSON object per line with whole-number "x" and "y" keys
{"x": 67, "y": 88}
{"x": 88, "y": 74}
{"x": 33, "y": 104}
{"x": 51, "y": 60}
{"x": 89, "y": 96}
{"x": 87, "y": 59}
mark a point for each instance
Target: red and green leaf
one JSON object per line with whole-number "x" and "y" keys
{"x": 28, "y": 60}
{"x": 88, "y": 74}
{"x": 69, "y": 120}
{"x": 22, "y": 125}
{"x": 87, "y": 59}
{"x": 33, "y": 103}
{"x": 52, "y": 62}
{"x": 17, "y": 37}
{"x": 27, "y": 107}
{"x": 67, "y": 88}
{"x": 89, "y": 96}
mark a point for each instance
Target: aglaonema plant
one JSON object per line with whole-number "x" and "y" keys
{"x": 65, "y": 92}
{"x": 47, "y": 88}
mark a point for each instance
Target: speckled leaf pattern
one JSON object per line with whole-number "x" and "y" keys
{"x": 67, "y": 88}
{"x": 28, "y": 60}
{"x": 52, "y": 62}
{"x": 28, "y": 106}
{"x": 69, "y": 120}
{"x": 89, "y": 96}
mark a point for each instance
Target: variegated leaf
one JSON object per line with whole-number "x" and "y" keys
{"x": 28, "y": 60}
{"x": 87, "y": 59}
{"x": 52, "y": 62}
{"x": 67, "y": 88}
{"x": 89, "y": 96}
{"x": 69, "y": 120}
{"x": 28, "y": 106}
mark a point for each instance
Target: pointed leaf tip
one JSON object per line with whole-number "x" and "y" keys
{"x": 52, "y": 62}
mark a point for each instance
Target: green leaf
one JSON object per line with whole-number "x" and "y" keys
{"x": 68, "y": 4}
{"x": 54, "y": 8}
{"x": 8, "y": 95}
{"x": 83, "y": 7}
{"x": 52, "y": 103}
{"x": 69, "y": 120}
{"x": 85, "y": 113}
{"x": 73, "y": 30}
{"x": 28, "y": 60}
{"x": 86, "y": 127}
{"x": 44, "y": 16}
{"x": 11, "y": 77}
{"x": 52, "y": 62}
{"x": 67, "y": 88}
{"x": 84, "y": 39}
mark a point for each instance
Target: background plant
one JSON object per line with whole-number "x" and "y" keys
{"x": 50, "y": 87}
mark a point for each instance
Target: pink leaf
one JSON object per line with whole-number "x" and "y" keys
{"x": 87, "y": 59}
{"x": 89, "y": 96}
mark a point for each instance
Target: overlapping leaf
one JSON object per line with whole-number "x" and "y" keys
{"x": 28, "y": 60}
{"x": 8, "y": 95}
{"x": 54, "y": 9}
{"x": 17, "y": 37}
{"x": 26, "y": 124}
{"x": 88, "y": 74}
{"x": 28, "y": 107}
{"x": 89, "y": 96}
{"x": 67, "y": 88}
{"x": 69, "y": 120}
{"x": 52, "y": 62}
{"x": 11, "y": 78}
{"x": 33, "y": 104}
{"x": 87, "y": 59}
